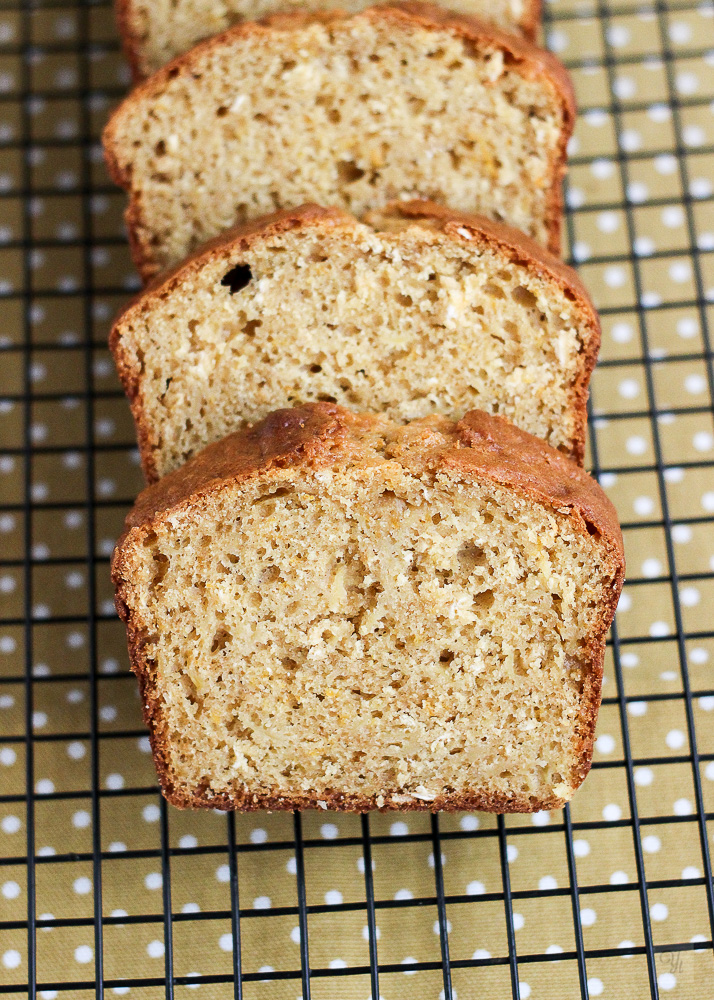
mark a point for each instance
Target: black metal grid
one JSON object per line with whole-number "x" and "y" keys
{"x": 305, "y": 976}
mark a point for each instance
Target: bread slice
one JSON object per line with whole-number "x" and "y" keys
{"x": 335, "y": 610}
{"x": 430, "y": 311}
{"x": 155, "y": 31}
{"x": 394, "y": 103}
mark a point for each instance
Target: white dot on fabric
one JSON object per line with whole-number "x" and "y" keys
{"x": 691, "y": 872}
{"x": 595, "y": 986}
{"x": 10, "y": 824}
{"x": 672, "y": 216}
{"x": 430, "y": 859}
{"x": 650, "y": 300}
{"x": 680, "y": 32}
{"x": 668, "y": 675}
{"x": 11, "y": 959}
{"x": 81, "y": 819}
{"x": 694, "y": 135}
{"x": 629, "y": 388}
{"x": 643, "y": 506}
{"x": 518, "y": 921}
{"x": 681, "y": 533}
{"x": 588, "y": 917}
{"x": 707, "y": 502}
{"x": 155, "y": 949}
{"x": 399, "y": 829}
{"x": 404, "y": 894}
{"x": 190, "y": 908}
{"x": 680, "y": 271}
{"x": 665, "y": 163}
{"x": 329, "y": 831}
{"x": 541, "y": 818}
{"x": 554, "y": 949}
{"x": 630, "y": 140}
{"x": 557, "y": 40}
{"x": 581, "y": 848}
{"x": 188, "y": 841}
{"x": 628, "y": 945}
{"x": 575, "y": 198}
{"x": 659, "y": 113}
{"x": 291, "y": 866}
{"x": 687, "y": 83}
{"x": 675, "y": 739}
{"x": 469, "y": 823}
{"x": 612, "y": 812}
{"x": 689, "y": 596}
{"x": 295, "y": 935}
{"x": 618, "y": 35}
{"x": 619, "y": 878}
{"x": 117, "y": 846}
{"x": 435, "y": 928}
{"x": 225, "y": 941}
{"x": 637, "y": 708}
{"x": 644, "y": 776}
{"x": 706, "y": 703}
{"x": 143, "y": 743}
{"x": 596, "y": 117}
{"x": 630, "y": 660}
{"x": 666, "y": 981}
{"x": 659, "y": 911}
{"x": 637, "y": 192}
{"x": 115, "y": 781}
{"x": 511, "y": 852}
{"x": 602, "y": 169}
{"x": 636, "y": 444}
{"x": 525, "y": 990}
{"x": 7, "y": 756}
{"x": 699, "y": 655}
{"x": 258, "y": 836}
{"x": 622, "y": 333}
{"x": 151, "y": 813}
{"x": 659, "y": 629}
{"x": 76, "y": 750}
{"x": 339, "y": 963}
{"x": 547, "y": 882}
{"x": 695, "y": 383}
{"x": 703, "y": 441}
{"x": 475, "y": 888}
{"x": 605, "y": 743}
{"x": 651, "y": 844}
{"x": 687, "y": 327}
{"x": 625, "y": 602}
{"x": 333, "y": 897}
{"x": 10, "y": 890}
{"x": 624, "y": 88}
{"x": 581, "y": 251}
{"x": 701, "y": 187}
{"x": 644, "y": 246}
{"x": 615, "y": 277}
{"x": 82, "y": 886}
{"x": 651, "y": 568}
{"x": 45, "y": 787}
{"x": 153, "y": 880}
{"x": 683, "y": 807}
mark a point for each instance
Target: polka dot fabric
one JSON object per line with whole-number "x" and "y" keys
{"x": 606, "y": 899}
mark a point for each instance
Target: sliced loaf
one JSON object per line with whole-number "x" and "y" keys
{"x": 396, "y": 102}
{"x": 429, "y": 311}
{"x": 155, "y": 31}
{"x": 335, "y": 610}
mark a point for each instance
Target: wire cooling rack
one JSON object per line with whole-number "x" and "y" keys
{"x": 104, "y": 888}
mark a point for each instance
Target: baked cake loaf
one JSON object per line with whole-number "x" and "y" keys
{"x": 397, "y": 102}
{"x": 430, "y": 311}
{"x": 336, "y": 610}
{"x": 155, "y": 31}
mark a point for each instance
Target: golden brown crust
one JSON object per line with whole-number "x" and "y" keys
{"x": 485, "y": 447}
{"x": 532, "y": 62}
{"x": 465, "y": 228}
{"x": 132, "y": 43}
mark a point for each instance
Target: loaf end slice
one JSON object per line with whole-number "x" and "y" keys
{"x": 396, "y": 102}
{"x": 426, "y": 310}
{"x": 154, "y": 32}
{"x": 334, "y": 610}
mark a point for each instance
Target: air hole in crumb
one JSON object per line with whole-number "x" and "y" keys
{"x": 160, "y": 148}
{"x": 162, "y": 567}
{"x": 315, "y": 369}
{"x": 446, "y": 656}
{"x": 348, "y": 172}
{"x": 495, "y": 291}
{"x": 405, "y": 300}
{"x": 326, "y": 399}
{"x": 523, "y": 297}
{"x": 237, "y": 278}
{"x": 251, "y": 326}
{"x": 484, "y": 600}
{"x": 220, "y": 639}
